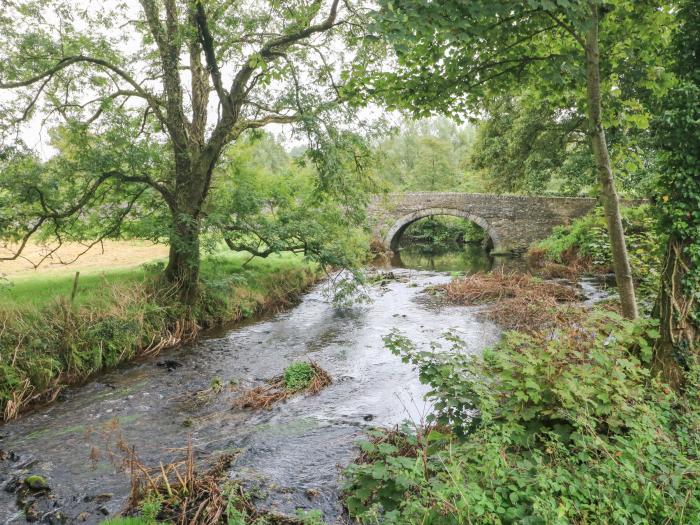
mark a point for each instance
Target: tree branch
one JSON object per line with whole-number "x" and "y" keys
{"x": 276, "y": 46}
{"x": 566, "y": 27}
{"x": 243, "y": 125}
{"x": 208, "y": 46}
{"x": 64, "y": 63}
{"x": 166, "y": 40}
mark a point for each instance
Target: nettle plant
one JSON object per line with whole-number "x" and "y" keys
{"x": 527, "y": 432}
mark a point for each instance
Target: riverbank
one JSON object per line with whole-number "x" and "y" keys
{"x": 51, "y": 337}
{"x": 583, "y": 247}
{"x": 287, "y": 456}
{"x": 526, "y": 431}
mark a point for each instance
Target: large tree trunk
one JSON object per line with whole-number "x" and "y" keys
{"x": 184, "y": 258}
{"x": 679, "y": 335}
{"x": 611, "y": 204}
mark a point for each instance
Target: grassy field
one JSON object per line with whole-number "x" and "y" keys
{"x": 109, "y": 255}
{"x": 120, "y": 264}
{"x": 112, "y": 263}
{"x": 48, "y": 342}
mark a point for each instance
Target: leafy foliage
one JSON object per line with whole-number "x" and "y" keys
{"x": 538, "y": 428}
{"x": 297, "y": 376}
{"x": 267, "y": 202}
{"x": 524, "y": 146}
{"x": 441, "y": 233}
{"x": 585, "y": 243}
{"x": 677, "y": 131}
{"x": 428, "y": 155}
{"x": 529, "y": 47}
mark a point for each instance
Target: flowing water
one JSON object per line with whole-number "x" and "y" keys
{"x": 293, "y": 454}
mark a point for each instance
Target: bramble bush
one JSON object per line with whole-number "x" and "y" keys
{"x": 561, "y": 427}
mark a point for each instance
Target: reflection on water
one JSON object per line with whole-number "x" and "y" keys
{"x": 467, "y": 258}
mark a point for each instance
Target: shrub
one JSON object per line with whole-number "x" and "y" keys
{"x": 583, "y": 246}
{"x": 564, "y": 428}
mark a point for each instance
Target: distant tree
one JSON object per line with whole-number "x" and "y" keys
{"x": 523, "y": 146}
{"x": 265, "y": 202}
{"x": 148, "y": 99}
{"x": 454, "y": 56}
{"x": 427, "y": 155}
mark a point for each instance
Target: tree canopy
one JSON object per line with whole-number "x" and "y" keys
{"x": 144, "y": 100}
{"x": 454, "y": 57}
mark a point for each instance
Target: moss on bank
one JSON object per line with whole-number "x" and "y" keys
{"x": 47, "y": 342}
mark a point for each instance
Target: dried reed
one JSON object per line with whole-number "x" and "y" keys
{"x": 518, "y": 300}
{"x": 274, "y": 391}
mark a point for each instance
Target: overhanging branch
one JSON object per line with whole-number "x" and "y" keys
{"x": 50, "y": 214}
{"x": 64, "y": 63}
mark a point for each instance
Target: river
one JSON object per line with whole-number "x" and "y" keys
{"x": 293, "y": 453}
{"x": 291, "y": 456}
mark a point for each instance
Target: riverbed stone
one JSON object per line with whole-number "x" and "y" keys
{"x": 36, "y": 482}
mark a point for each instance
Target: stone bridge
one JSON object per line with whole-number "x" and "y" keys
{"x": 512, "y": 222}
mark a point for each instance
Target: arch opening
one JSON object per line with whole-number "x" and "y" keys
{"x": 393, "y": 237}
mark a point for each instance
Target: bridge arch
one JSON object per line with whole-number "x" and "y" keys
{"x": 391, "y": 239}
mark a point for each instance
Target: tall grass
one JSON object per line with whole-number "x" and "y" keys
{"x": 48, "y": 342}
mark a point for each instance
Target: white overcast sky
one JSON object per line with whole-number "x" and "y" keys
{"x": 35, "y": 135}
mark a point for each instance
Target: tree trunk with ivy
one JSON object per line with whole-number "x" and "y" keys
{"x": 677, "y": 131}
{"x": 677, "y": 311}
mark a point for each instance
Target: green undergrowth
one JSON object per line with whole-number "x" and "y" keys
{"x": 442, "y": 233}
{"x": 126, "y": 521}
{"x": 47, "y": 342}
{"x": 566, "y": 426}
{"x": 584, "y": 246}
{"x": 298, "y": 376}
